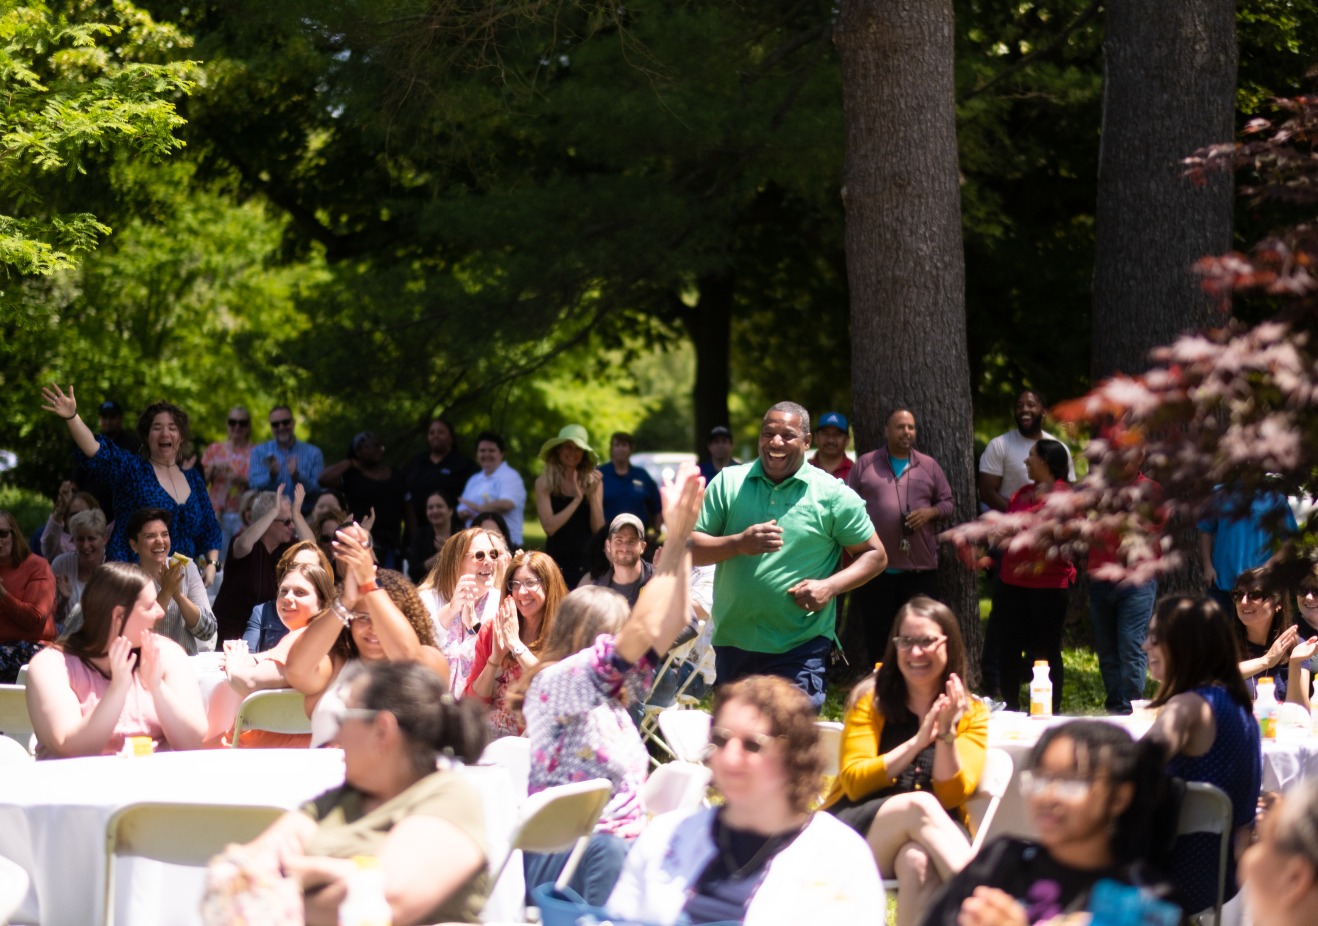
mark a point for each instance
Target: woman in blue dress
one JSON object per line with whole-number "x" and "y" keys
{"x": 151, "y": 480}
{"x": 1206, "y": 727}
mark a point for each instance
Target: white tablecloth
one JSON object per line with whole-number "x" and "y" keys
{"x": 53, "y": 816}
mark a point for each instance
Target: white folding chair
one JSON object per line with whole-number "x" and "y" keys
{"x": 14, "y": 883}
{"x": 22, "y": 676}
{"x": 281, "y": 710}
{"x": 514, "y": 754}
{"x": 557, "y": 819}
{"x": 686, "y": 732}
{"x": 1206, "y": 809}
{"x": 181, "y": 834}
{"x": 13, "y": 751}
{"x": 830, "y": 741}
{"x": 14, "y": 720}
{"x": 675, "y": 786}
{"x": 687, "y": 654}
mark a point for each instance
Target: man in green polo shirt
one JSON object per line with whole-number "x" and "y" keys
{"x": 776, "y": 527}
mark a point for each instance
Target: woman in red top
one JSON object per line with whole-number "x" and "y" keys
{"x": 27, "y": 600}
{"x": 1035, "y": 584}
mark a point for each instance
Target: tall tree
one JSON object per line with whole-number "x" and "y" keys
{"x": 1170, "y": 70}
{"x": 903, "y": 240}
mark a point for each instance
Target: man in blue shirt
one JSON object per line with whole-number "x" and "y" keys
{"x": 1234, "y": 538}
{"x": 285, "y": 461}
{"x": 628, "y": 489}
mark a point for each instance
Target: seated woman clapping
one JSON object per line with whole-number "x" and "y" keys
{"x": 761, "y": 857}
{"x": 378, "y": 617}
{"x": 400, "y": 802}
{"x": 113, "y": 677}
{"x": 1091, "y": 791}
{"x": 913, "y": 749}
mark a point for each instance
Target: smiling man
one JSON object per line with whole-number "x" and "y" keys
{"x": 776, "y": 527}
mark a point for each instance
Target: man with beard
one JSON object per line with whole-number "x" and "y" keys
{"x": 906, "y": 493}
{"x": 1001, "y": 473}
{"x": 776, "y": 528}
{"x": 628, "y": 573}
{"x": 831, "y": 433}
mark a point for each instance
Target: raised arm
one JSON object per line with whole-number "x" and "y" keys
{"x": 57, "y": 402}
{"x": 301, "y": 529}
{"x": 665, "y": 603}
{"x": 310, "y": 667}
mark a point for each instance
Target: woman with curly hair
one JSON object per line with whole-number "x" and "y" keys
{"x": 153, "y": 480}
{"x": 762, "y": 856}
{"x": 512, "y": 642}
{"x": 569, "y": 499}
{"x": 378, "y": 617}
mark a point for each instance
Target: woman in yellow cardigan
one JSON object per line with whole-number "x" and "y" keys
{"x": 912, "y": 752}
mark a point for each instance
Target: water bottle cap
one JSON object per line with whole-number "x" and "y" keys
{"x": 1040, "y": 662}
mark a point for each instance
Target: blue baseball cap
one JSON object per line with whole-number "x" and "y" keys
{"x": 833, "y": 420}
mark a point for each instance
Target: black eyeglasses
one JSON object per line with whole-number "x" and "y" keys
{"x": 756, "y": 742}
{"x": 282, "y": 423}
{"x": 481, "y": 555}
{"x": 240, "y": 422}
{"x": 5, "y": 533}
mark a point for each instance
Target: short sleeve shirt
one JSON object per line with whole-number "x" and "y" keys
{"x": 819, "y": 514}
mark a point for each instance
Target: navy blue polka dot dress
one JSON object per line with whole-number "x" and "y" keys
{"x": 1234, "y": 763}
{"x": 194, "y": 529}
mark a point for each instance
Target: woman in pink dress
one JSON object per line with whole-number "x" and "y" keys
{"x": 113, "y": 678}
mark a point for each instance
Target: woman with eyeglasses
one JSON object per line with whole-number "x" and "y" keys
{"x": 761, "y": 856}
{"x": 1280, "y": 870}
{"x": 225, "y": 464}
{"x": 1034, "y": 585}
{"x": 27, "y": 600}
{"x": 153, "y": 480}
{"x": 1091, "y": 791}
{"x": 1206, "y": 729}
{"x": 598, "y": 659}
{"x": 401, "y": 802}
{"x": 113, "y": 678}
{"x": 72, "y": 570}
{"x": 1306, "y": 626}
{"x": 462, "y": 594}
{"x": 511, "y": 643}
{"x": 378, "y": 617}
{"x": 1269, "y": 641}
{"x": 913, "y": 748}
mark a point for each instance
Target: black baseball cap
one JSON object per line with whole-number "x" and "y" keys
{"x": 720, "y": 431}
{"x": 110, "y": 407}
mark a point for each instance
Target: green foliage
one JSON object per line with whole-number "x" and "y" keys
{"x": 68, "y": 101}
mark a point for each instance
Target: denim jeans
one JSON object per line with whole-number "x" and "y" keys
{"x": 1120, "y": 615}
{"x": 596, "y": 875}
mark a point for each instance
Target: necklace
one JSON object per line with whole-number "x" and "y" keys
{"x": 172, "y": 488}
{"x": 772, "y": 845}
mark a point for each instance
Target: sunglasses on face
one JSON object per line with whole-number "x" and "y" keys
{"x": 282, "y": 423}
{"x": 1253, "y": 594}
{"x": 909, "y": 643}
{"x": 1068, "y": 789}
{"x": 239, "y": 422}
{"x": 287, "y": 522}
{"x": 719, "y": 738}
{"x": 481, "y": 555}
{"x": 5, "y": 533}
{"x": 529, "y": 585}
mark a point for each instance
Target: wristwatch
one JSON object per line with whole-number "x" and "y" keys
{"x": 518, "y": 651}
{"x": 948, "y": 737}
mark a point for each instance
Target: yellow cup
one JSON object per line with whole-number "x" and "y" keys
{"x": 141, "y": 746}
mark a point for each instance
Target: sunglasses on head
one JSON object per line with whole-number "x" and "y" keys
{"x": 719, "y": 738}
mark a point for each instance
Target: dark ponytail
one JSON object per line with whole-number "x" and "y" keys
{"x": 434, "y": 723}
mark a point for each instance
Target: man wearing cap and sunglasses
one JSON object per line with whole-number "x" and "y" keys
{"x": 285, "y": 461}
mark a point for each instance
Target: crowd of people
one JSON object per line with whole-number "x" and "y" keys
{"x": 416, "y": 627}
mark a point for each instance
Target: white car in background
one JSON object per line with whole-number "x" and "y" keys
{"x": 661, "y": 461}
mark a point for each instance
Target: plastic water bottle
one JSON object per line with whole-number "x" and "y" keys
{"x": 365, "y": 904}
{"x": 1041, "y": 691}
{"x": 1266, "y": 708}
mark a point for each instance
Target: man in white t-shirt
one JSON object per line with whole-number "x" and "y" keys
{"x": 1001, "y": 474}
{"x": 1002, "y": 465}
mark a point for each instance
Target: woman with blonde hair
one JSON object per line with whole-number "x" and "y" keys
{"x": 512, "y": 642}
{"x": 461, "y": 595}
{"x": 569, "y": 499}
{"x": 72, "y": 570}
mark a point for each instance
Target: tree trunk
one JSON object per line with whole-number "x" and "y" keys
{"x": 709, "y": 325}
{"x": 1169, "y": 89}
{"x": 905, "y": 262}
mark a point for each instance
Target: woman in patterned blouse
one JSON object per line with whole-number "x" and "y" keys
{"x": 152, "y": 481}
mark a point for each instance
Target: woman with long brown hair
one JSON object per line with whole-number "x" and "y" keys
{"x": 569, "y": 499}
{"x": 27, "y": 600}
{"x": 461, "y": 594}
{"x": 113, "y": 677}
{"x": 512, "y": 642}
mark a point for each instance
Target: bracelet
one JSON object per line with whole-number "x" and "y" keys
{"x": 338, "y": 609}
{"x": 70, "y": 417}
{"x": 948, "y": 737}
{"x": 367, "y": 586}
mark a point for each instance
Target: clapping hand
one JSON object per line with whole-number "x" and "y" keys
{"x": 504, "y": 632}
{"x": 171, "y": 579}
{"x": 1283, "y": 645}
{"x": 122, "y": 661}
{"x": 152, "y": 670}
{"x": 953, "y": 703}
{"x": 299, "y": 496}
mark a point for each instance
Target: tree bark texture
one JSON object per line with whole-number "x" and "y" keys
{"x": 1169, "y": 89}
{"x": 709, "y": 324}
{"x": 905, "y": 260}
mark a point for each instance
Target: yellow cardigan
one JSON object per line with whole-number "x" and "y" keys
{"x": 863, "y": 771}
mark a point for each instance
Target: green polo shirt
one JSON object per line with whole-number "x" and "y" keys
{"x": 819, "y": 515}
